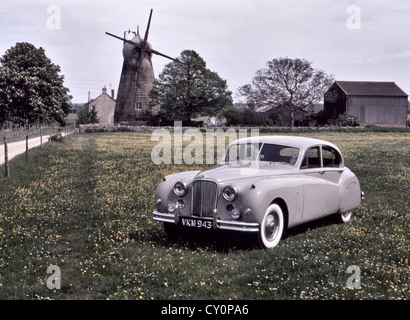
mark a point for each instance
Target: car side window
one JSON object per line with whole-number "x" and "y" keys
{"x": 277, "y": 153}
{"x": 331, "y": 158}
{"x": 311, "y": 158}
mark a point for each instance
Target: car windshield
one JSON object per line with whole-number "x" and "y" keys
{"x": 243, "y": 152}
{"x": 262, "y": 152}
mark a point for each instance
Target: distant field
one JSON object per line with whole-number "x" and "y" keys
{"x": 85, "y": 206}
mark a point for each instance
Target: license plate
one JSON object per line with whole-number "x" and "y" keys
{"x": 196, "y": 223}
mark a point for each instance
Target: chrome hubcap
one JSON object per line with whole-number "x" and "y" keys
{"x": 271, "y": 226}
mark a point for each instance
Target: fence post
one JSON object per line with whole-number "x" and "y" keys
{"x": 6, "y": 158}
{"x": 26, "y": 147}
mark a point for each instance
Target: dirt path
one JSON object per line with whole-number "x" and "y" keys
{"x": 19, "y": 147}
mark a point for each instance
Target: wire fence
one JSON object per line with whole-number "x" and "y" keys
{"x": 18, "y": 140}
{"x": 16, "y": 133}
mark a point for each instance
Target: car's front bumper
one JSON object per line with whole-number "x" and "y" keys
{"x": 216, "y": 222}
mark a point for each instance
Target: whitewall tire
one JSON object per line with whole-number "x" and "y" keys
{"x": 272, "y": 227}
{"x": 345, "y": 217}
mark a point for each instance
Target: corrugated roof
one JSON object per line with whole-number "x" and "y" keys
{"x": 265, "y": 108}
{"x": 370, "y": 88}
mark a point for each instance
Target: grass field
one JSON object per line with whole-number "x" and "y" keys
{"x": 85, "y": 206}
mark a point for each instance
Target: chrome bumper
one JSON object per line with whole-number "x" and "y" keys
{"x": 216, "y": 223}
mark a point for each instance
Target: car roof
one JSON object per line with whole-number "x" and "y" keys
{"x": 293, "y": 141}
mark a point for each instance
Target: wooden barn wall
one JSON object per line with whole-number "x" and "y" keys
{"x": 378, "y": 110}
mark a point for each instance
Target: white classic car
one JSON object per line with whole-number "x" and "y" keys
{"x": 263, "y": 185}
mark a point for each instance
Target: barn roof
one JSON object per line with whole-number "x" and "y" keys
{"x": 370, "y": 88}
{"x": 266, "y": 107}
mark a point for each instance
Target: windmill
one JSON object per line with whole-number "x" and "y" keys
{"x": 137, "y": 78}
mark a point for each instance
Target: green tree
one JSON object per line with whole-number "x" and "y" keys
{"x": 31, "y": 89}
{"x": 287, "y": 83}
{"x": 187, "y": 89}
{"x": 86, "y": 116}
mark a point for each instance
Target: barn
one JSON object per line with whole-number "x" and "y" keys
{"x": 373, "y": 103}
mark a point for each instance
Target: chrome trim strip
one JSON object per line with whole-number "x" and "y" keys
{"x": 164, "y": 217}
{"x": 215, "y": 219}
{"x": 217, "y": 223}
{"x": 238, "y": 226}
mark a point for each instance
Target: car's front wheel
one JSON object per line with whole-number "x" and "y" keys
{"x": 272, "y": 227}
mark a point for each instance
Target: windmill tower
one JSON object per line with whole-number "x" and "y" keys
{"x": 137, "y": 79}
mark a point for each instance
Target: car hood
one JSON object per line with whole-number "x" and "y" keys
{"x": 240, "y": 171}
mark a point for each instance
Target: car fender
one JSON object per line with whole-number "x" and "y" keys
{"x": 287, "y": 190}
{"x": 164, "y": 192}
{"x": 350, "y": 193}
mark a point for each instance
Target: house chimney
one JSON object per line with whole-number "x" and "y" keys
{"x": 104, "y": 90}
{"x": 112, "y": 94}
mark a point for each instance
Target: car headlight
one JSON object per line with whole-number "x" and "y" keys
{"x": 180, "y": 189}
{"x": 230, "y": 193}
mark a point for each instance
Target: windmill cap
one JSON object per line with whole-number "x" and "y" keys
{"x": 129, "y": 50}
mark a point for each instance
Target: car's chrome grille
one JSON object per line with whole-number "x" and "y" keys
{"x": 204, "y": 195}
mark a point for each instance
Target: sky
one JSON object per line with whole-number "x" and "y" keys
{"x": 356, "y": 40}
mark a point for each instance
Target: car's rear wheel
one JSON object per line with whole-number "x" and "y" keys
{"x": 345, "y": 217}
{"x": 272, "y": 227}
